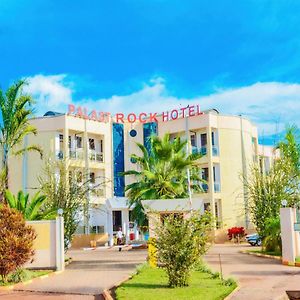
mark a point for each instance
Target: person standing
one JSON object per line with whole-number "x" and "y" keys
{"x": 120, "y": 238}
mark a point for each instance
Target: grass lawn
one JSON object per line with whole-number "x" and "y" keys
{"x": 30, "y": 274}
{"x": 151, "y": 283}
{"x": 265, "y": 252}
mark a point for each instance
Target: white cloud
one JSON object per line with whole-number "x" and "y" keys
{"x": 50, "y": 92}
{"x": 271, "y": 105}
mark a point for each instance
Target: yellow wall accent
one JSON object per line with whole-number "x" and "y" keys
{"x": 42, "y": 241}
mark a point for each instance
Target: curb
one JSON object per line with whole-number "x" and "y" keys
{"x": 107, "y": 292}
{"x": 17, "y": 285}
{"x": 285, "y": 263}
{"x": 232, "y": 293}
{"x": 260, "y": 254}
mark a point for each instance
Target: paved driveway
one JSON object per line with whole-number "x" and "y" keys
{"x": 89, "y": 274}
{"x": 259, "y": 278}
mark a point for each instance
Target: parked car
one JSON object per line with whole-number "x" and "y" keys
{"x": 253, "y": 239}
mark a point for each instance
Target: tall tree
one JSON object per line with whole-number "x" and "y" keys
{"x": 162, "y": 173}
{"x": 282, "y": 182}
{"x": 16, "y": 110}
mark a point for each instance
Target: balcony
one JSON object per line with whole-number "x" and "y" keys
{"x": 217, "y": 187}
{"x": 96, "y": 156}
{"x": 199, "y": 150}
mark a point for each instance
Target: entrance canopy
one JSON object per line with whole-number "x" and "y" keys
{"x": 117, "y": 203}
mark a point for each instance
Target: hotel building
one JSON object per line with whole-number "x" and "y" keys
{"x": 229, "y": 145}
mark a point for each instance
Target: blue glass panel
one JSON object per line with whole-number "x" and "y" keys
{"x": 149, "y": 129}
{"x": 118, "y": 156}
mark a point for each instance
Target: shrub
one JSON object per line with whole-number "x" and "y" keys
{"x": 16, "y": 241}
{"x": 235, "y": 232}
{"x": 180, "y": 243}
{"x": 272, "y": 233}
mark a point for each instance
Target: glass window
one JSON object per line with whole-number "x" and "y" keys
{"x": 193, "y": 140}
{"x": 61, "y": 138}
{"x": 79, "y": 141}
{"x": 92, "y": 144}
{"x": 203, "y": 139}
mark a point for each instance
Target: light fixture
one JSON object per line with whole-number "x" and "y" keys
{"x": 284, "y": 203}
{"x": 60, "y": 212}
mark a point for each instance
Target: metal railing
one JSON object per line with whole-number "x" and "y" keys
{"x": 199, "y": 150}
{"x": 205, "y": 187}
{"x": 215, "y": 151}
{"x": 60, "y": 154}
{"x": 76, "y": 154}
{"x": 96, "y": 156}
{"x": 217, "y": 187}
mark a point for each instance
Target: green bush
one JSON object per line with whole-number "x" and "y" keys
{"x": 180, "y": 244}
{"x": 272, "y": 240}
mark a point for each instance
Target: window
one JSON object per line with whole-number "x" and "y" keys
{"x": 203, "y": 139}
{"x": 61, "y": 138}
{"x": 92, "y": 144}
{"x": 205, "y": 174}
{"x": 193, "y": 140}
{"x": 212, "y": 138}
{"x": 79, "y": 141}
{"x": 101, "y": 146}
{"x": 70, "y": 142}
{"x": 92, "y": 177}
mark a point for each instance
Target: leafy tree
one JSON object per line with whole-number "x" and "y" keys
{"x": 162, "y": 173}
{"x": 69, "y": 195}
{"x": 16, "y": 241}
{"x": 31, "y": 209}
{"x": 181, "y": 243}
{"x": 282, "y": 182}
{"x": 16, "y": 109}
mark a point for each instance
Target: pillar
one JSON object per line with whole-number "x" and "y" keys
{"x": 125, "y": 224}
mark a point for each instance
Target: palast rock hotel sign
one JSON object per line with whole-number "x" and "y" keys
{"x": 100, "y": 116}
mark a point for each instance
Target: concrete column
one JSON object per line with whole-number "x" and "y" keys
{"x": 60, "y": 253}
{"x": 110, "y": 227}
{"x": 211, "y": 189}
{"x": 125, "y": 224}
{"x": 288, "y": 235}
{"x": 136, "y": 231}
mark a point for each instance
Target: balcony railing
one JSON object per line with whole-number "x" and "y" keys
{"x": 60, "y": 154}
{"x": 215, "y": 151}
{"x": 204, "y": 187}
{"x": 76, "y": 154}
{"x": 96, "y": 156}
{"x": 217, "y": 187}
{"x": 199, "y": 150}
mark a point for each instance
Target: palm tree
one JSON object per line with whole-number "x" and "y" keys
{"x": 31, "y": 210}
{"x": 163, "y": 173}
{"x": 15, "y": 109}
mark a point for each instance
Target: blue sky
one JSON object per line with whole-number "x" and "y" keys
{"x": 242, "y": 57}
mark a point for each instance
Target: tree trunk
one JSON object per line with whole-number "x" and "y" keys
{"x": 5, "y": 170}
